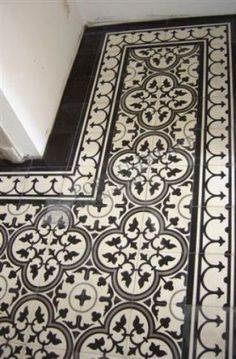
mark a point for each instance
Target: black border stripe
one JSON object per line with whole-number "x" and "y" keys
{"x": 195, "y": 208}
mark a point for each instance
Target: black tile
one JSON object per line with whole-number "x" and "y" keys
{"x": 6, "y": 166}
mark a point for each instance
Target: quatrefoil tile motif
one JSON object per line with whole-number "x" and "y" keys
{"x": 158, "y": 100}
{"x": 142, "y": 255}
{"x": 31, "y": 328}
{"x": 48, "y": 247}
{"x": 150, "y": 167}
{"x": 129, "y": 330}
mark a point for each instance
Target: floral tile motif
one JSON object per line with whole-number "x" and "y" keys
{"x": 130, "y": 253}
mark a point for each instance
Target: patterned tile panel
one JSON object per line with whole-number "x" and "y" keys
{"x": 131, "y": 254}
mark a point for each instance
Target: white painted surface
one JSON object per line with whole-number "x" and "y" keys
{"x": 38, "y": 43}
{"x": 128, "y": 10}
{"x": 15, "y": 131}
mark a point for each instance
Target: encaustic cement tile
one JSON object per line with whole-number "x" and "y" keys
{"x": 121, "y": 254}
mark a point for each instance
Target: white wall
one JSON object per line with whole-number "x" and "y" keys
{"x": 20, "y": 143}
{"x": 121, "y": 10}
{"x": 38, "y": 43}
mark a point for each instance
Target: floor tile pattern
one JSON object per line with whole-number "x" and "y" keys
{"x": 130, "y": 252}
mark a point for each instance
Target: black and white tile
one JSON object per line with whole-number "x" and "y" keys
{"x": 128, "y": 250}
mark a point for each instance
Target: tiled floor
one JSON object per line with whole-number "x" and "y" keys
{"x": 120, "y": 243}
